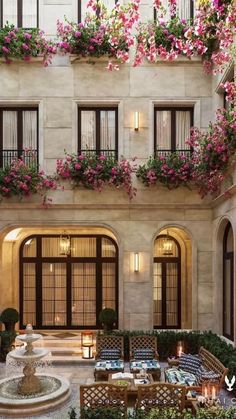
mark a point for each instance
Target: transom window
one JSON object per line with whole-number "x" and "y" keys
{"x": 172, "y": 128}
{"x": 18, "y": 134}
{"x": 98, "y": 130}
{"x": 67, "y": 289}
{"x": 185, "y": 9}
{"x": 82, "y": 7}
{"x": 20, "y": 13}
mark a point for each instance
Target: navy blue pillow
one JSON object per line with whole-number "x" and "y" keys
{"x": 110, "y": 354}
{"x": 190, "y": 363}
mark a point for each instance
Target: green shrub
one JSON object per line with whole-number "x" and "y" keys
{"x": 102, "y": 413}
{"x": 9, "y": 315}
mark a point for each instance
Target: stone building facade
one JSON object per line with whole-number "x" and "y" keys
{"x": 197, "y": 225}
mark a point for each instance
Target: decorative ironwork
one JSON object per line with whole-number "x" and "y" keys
{"x": 29, "y": 157}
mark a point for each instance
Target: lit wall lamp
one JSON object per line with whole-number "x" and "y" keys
{"x": 136, "y": 120}
{"x": 136, "y": 262}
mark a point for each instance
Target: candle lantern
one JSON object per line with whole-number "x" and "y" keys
{"x": 210, "y": 390}
{"x": 87, "y": 344}
{"x": 180, "y": 348}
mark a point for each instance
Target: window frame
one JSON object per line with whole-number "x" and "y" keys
{"x": 19, "y": 14}
{"x": 19, "y": 110}
{"x": 228, "y": 256}
{"x": 192, "y": 3}
{"x": 97, "y": 110}
{"x": 39, "y": 259}
{"x": 173, "y": 110}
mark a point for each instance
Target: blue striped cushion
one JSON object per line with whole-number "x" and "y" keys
{"x": 190, "y": 363}
{"x": 207, "y": 375}
{"x": 144, "y": 354}
{"x": 110, "y": 354}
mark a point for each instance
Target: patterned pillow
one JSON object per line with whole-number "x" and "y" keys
{"x": 207, "y": 375}
{"x": 190, "y": 363}
{"x": 110, "y": 354}
{"x": 144, "y": 354}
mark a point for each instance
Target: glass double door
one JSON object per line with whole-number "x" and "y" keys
{"x": 167, "y": 293}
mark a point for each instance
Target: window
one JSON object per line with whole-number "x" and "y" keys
{"x": 20, "y": 13}
{"x": 185, "y": 9}
{"x": 82, "y": 9}
{"x": 98, "y": 130}
{"x": 67, "y": 291}
{"x": 172, "y": 128}
{"x": 228, "y": 283}
{"x": 18, "y": 132}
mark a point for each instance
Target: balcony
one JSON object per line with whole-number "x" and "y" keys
{"x": 30, "y": 157}
{"x": 104, "y": 152}
{"x": 167, "y": 153}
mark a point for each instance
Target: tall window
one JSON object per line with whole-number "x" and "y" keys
{"x": 98, "y": 130}
{"x": 20, "y": 13}
{"x": 82, "y": 7}
{"x": 184, "y": 10}
{"x": 67, "y": 289}
{"x": 228, "y": 283}
{"x": 18, "y": 134}
{"x": 172, "y": 128}
{"x": 167, "y": 283}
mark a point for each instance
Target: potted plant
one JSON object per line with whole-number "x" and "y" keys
{"x": 108, "y": 317}
{"x": 9, "y": 317}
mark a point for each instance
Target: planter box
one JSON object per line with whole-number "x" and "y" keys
{"x": 92, "y": 60}
{"x": 38, "y": 59}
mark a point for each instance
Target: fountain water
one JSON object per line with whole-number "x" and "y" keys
{"x": 31, "y": 393}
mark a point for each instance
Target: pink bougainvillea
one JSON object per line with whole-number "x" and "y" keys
{"x": 25, "y": 44}
{"x": 23, "y": 180}
{"x": 96, "y": 172}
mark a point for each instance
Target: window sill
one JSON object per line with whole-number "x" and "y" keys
{"x": 75, "y": 58}
{"x": 38, "y": 59}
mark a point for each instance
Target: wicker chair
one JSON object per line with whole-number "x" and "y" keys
{"x": 161, "y": 395}
{"x": 143, "y": 350}
{"x": 108, "y": 343}
{"x": 99, "y": 395}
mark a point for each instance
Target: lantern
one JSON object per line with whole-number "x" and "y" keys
{"x": 87, "y": 344}
{"x": 180, "y": 348}
{"x": 210, "y": 390}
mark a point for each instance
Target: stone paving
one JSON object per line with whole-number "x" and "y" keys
{"x": 83, "y": 374}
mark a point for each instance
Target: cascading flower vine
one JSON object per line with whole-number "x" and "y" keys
{"x": 211, "y": 34}
{"x": 96, "y": 172}
{"x": 25, "y": 44}
{"x": 102, "y": 32}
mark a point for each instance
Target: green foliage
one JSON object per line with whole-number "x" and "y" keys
{"x": 102, "y": 413}
{"x": 72, "y": 413}
{"x": 10, "y": 315}
{"x": 7, "y": 339}
{"x": 108, "y": 316}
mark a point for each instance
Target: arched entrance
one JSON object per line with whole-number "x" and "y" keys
{"x": 228, "y": 282}
{"x": 172, "y": 280}
{"x": 65, "y": 281}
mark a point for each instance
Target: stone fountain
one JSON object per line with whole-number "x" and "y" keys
{"x": 31, "y": 393}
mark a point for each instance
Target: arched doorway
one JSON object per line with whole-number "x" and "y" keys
{"x": 167, "y": 283}
{"x": 228, "y": 282}
{"x": 65, "y": 281}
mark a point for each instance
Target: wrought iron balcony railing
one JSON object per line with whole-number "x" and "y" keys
{"x": 107, "y": 153}
{"x": 30, "y": 157}
{"x": 167, "y": 153}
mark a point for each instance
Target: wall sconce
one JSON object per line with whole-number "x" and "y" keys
{"x": 136, "y": 120}
{"x": 64, "y": 244}
{"x": 136, "y": 262}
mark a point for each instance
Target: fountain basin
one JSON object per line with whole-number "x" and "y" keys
{"x": 55, "y": 392}
{"x": 21, "y": 355}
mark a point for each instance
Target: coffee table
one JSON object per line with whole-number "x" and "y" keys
{"x": 134, "y": 382}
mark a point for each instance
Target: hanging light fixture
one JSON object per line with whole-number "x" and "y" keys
{"x": 167, "y": 247}
{"x": 65, "y": 247}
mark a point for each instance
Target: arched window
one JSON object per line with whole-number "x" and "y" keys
{"x": 167, "y": 283}
{"x": 228, "y": 283}
{"x": 65, "y": 281}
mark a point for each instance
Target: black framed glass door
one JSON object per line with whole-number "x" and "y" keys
{"x": 167, "y": 284}
{"x": 67, "y": 290}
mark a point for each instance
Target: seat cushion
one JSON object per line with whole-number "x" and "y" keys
{"x": 177, "y": 376}
{"x": 110, "y": 354}
{"x": 190, "y": 363}
{"x": 207, "y": 375}
{"x": 144, "y": 354}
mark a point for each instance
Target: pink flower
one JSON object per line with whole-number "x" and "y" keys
{"x": 25, "y": 47}
{"x": 77, "y": 166}
{"x": 5, "y": 50}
